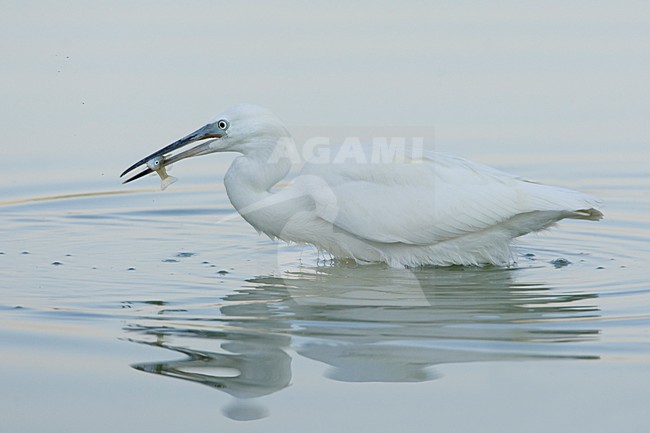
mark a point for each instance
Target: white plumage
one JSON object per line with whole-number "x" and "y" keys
{"x": 434, "y": 208}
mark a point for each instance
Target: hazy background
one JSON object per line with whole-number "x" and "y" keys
{"x": 89, "y": 87}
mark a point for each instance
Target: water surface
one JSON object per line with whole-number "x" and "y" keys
{"x": 148, "y": 311}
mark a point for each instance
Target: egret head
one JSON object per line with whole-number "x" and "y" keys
{"x": 246, "y": 128}
{"x": 243, "y": 128}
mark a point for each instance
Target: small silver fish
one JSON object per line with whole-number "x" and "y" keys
{"x": 156, "y": 164}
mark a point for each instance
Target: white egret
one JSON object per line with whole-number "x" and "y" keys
{"x": 432, "y": 208}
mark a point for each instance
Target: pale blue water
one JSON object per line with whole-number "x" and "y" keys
{"x": 127, "y": 309}
{"x": 153, "y": 311}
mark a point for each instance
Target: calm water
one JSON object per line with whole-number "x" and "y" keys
{"x": 138, "y": 310}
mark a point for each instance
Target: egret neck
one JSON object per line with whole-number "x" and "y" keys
{"x": 251, "y": 177}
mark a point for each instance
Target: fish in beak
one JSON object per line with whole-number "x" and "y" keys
{"x": 157, "y": 161}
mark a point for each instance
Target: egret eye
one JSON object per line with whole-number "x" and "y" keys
{"x": 223, "y": 124}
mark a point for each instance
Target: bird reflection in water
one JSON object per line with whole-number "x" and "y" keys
{"x": 369, "y": 324}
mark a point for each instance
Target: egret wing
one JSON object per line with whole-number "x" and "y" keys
{"x": 437, "y": 198}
